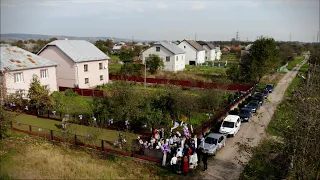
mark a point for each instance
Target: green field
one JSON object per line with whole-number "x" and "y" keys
{"x": 47, "y": 125}
{"x": 114, "y": 68}
{"x": 205, "y": 70}
{"x": 293, "y": 63}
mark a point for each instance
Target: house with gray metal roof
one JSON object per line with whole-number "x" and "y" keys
{"x": 80, "y": 63}
{"x": 195, "y": 53}
{"x": 18, "y": 67}
{"x": 173, "y": 57}
{"x": 210, "y": 50}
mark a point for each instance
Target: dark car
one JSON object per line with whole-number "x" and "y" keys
{"x": 265, "y": 93}
{"x": 245, "y": 114}
{"x": 259, "y": 97}
{"x": 253, "y": 106}
{"x": 270, "y": 87}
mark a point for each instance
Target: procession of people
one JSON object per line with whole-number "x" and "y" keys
{"x": 181, "y": 151}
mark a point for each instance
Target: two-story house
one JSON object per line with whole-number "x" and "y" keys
{"x": 210, "y": 50}
{"x": 18, "y": 67}
{"x": 80, "y": 63}
{"x": 195, "y": 53}
{"x": 173, "y": 57}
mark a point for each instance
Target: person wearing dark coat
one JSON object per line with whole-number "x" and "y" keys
{"x": 205, "y": 161}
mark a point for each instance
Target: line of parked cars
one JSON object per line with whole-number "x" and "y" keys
{"x": 231, "y": 124}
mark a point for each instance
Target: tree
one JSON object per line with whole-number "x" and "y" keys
{"x": 38, "y": 95}
{"x": 137, "y": 50}
{"x": 19, "y": 44}
{"x": 263, "y": 58}
{"x": 126, "y": 54}
{"x": 154, "y": 63}
{"x": 52, "y": 39}
{"x": 286, "y": 53}
{"x": 5, "y": 121}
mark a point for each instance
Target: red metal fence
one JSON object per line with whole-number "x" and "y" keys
{"x": 84, "y": 92}
{"x": 184, "y": 83}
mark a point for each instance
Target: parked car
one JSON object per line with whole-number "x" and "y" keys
{"x": 245, "y": 114}
{"x": 265, "y": 93}
{"x": 259, "y": 97}
{"x": 230, "y": 125}
{"x": 212, "y": 143}
{"x": 270, "y": 87}
{"x": 253, "y": 105}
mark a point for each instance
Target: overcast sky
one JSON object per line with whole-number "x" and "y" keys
{"x": 164, "y": 19}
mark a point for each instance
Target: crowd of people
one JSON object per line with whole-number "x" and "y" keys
{"x": 180, "y": 151}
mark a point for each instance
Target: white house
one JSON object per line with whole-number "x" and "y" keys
{"x": 195, "y": 53}
{"x": 173, "y": 57}
{"x": 218, "y": 53}
{"x": 18, "y": 67}
{"x": 80, "y": 63}
{"x": 210, "y": 50}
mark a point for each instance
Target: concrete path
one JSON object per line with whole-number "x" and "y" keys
{"x": 225, "y": 165}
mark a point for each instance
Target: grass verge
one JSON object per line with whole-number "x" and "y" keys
{"x": 26, "y": 157}
{"x": 293, "y": 63}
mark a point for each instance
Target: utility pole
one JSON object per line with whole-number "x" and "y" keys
{"x": 318, "y": 37}
{"x": 290, "y": 37}
{"x": 237, "y": 36}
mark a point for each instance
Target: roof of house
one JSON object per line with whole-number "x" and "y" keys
{"x": 139, "y": 44}
{"x": 196, "y": 45}
{"x": 14, "y": 58}
{"x": 203, "y": 43}
{"x": 79, "y": 50}
{"x": 116, "y": 47}
{"x": 171, "y": 47}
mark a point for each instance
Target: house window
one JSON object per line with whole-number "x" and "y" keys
{"x": 101, "y": 77}
{"x": 177, "y": 58}
{"x": 44, "y": 73}
{"x": 18, "y": 77}
{"x": 100, "y": 66}
{"x": 158, "y": 49}
{"x": 85, "y": 67}
{"x": 86, "y": 80}
{"x": 184, "y": 47}
{"x": 168, "y": 58}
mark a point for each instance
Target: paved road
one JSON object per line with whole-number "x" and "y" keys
{"x": 225, "y": 165}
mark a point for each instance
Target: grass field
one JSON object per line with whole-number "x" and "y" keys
{"x": 114, "y": 68}
{"x": 304, "y": 68}
{"x": 293, "y": 63}
{"x": 46, "y": 125}
{"x": 26, "y": 157}
{"x": 205, "y": 70}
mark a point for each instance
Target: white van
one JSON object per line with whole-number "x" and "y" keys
{"x": 230, "y": 125}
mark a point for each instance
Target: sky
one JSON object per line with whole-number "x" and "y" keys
{"x": 164, "y": 19}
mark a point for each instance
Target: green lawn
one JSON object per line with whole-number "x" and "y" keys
{"x": 47, "y": 125}
{"x": 304, "y": 68}
{"x": 114, "y": 68}
{"x": 205, "y": 70}
{"x": 293, "y": 63}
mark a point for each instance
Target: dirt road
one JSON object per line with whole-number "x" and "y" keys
{"x": 225, "y": 165}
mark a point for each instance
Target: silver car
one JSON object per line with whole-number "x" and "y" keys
{"x": 212, "y": 143}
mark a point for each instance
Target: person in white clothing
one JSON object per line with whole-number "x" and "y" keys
{"x": 179, "y": 152}
{"x": 173, "y": 163}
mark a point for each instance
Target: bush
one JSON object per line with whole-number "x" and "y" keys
{"x": 70, "y": 93}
